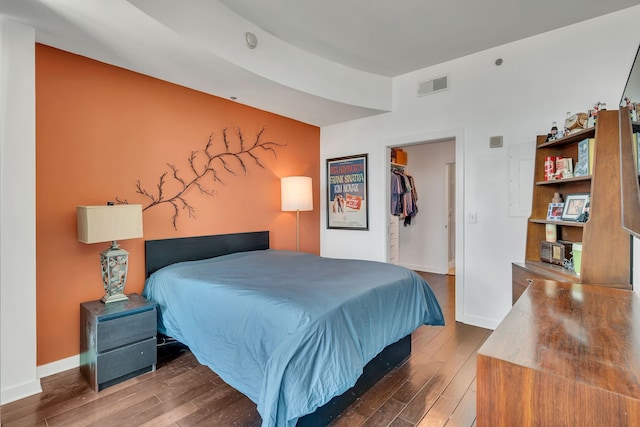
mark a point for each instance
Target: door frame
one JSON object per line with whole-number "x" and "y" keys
{"x": 448, "y": 203}
{"x": 457, "y": 135}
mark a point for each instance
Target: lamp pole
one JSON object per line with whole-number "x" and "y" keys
{"x": 297, "y": 230}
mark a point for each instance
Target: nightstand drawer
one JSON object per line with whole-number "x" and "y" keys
{"x": 126, "y": 330}
{"x": 117, "y": 340}
{"x": 124, "y": 360}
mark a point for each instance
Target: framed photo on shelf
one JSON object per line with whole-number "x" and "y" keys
{"x": 347, "y": 203}
{"x": 554, "y": 213}
{"x": 574, "y": 206}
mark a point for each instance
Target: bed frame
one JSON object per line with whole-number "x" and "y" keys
{"x": 160, "y": 253}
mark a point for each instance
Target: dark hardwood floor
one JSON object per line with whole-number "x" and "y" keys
{"x": 434, "y": 387}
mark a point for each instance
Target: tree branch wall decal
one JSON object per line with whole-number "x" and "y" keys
{"x": 203, "y": 164}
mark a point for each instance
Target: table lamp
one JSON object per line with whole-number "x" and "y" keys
{"x": 110, "y": 223}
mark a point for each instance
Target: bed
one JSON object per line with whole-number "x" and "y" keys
{"x": 300, "y": 335}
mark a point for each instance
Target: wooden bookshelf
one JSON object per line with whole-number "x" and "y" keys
{"x": 606, "y": 245}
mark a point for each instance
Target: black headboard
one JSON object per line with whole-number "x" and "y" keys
{"x": 160, "y": 253}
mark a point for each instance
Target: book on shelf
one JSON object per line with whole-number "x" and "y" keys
{"x": 592, "y": 144}
{"x": 586, "y": 149}
{"x": 564, "y": 167}
{"x": 636, "y": 147}
{"x": 582, "y": 165}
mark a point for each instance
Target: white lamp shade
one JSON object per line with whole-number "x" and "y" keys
{"x": 296, "y": 193}
{"x": 108, "y": 223}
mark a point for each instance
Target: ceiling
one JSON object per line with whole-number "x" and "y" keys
{"x": 396, "y": 37}
{"x": 306, "y": 48}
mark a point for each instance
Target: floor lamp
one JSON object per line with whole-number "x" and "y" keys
{"x": 296, "y": 195}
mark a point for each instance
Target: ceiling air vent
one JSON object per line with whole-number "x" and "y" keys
{"x": 432, "y": 86}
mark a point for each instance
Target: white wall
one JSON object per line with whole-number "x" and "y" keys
{"x": 18, "y": 377}
{"x": 423, "y": 243}
{"x": 542, "y": 78}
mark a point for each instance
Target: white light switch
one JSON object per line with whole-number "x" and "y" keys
{"x": 473, "y": 217}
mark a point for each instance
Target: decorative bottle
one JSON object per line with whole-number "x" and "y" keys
{"x": 553, "y": 133}
{"x": 567, "y": 131}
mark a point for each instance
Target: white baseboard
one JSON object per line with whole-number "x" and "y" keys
{"x": 59, "y": 366}
{"x": 20, "y": 391}
{"x": 481, "y": 322}
{"x": 425, "y": 268}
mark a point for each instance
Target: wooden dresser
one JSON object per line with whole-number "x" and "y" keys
{"x": 565, "y": 355}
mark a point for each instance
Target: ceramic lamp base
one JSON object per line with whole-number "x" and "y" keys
{"x": 115, "y": 262}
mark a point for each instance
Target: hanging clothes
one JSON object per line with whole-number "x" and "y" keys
{"x": 404, "y": 195}
{"x": 397, "y": 190}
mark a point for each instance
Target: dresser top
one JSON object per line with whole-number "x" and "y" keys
{"x": 587, "y": 333}
{"x": 135, "y": 304}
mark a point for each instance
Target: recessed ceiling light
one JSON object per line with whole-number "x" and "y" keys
{"x": 251, "y": 39}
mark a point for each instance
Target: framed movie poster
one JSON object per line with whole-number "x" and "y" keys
{"x": 347, "y": 204}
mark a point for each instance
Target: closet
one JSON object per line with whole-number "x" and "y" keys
{"x": 403, "y": 205}
{"x": 421, "y": 244}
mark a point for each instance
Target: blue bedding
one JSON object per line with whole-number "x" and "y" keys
{"x": 290, "y": 330}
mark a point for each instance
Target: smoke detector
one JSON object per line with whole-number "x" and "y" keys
{"x": 251, "y": 39}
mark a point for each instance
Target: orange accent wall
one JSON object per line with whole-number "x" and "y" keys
{"x": 100, "y": 129}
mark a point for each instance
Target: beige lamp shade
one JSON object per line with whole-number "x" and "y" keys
{"x": 296, "y": 193}
{"x": 108, "y": 223}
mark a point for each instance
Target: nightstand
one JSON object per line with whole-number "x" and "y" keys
{"x": 117, "y": 340}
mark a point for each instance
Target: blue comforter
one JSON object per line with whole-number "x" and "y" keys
{"x": 290, "y": 330}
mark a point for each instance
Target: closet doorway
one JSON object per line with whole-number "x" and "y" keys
{"x": 426, "y": 242}
{"x": 451, "y": 216}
